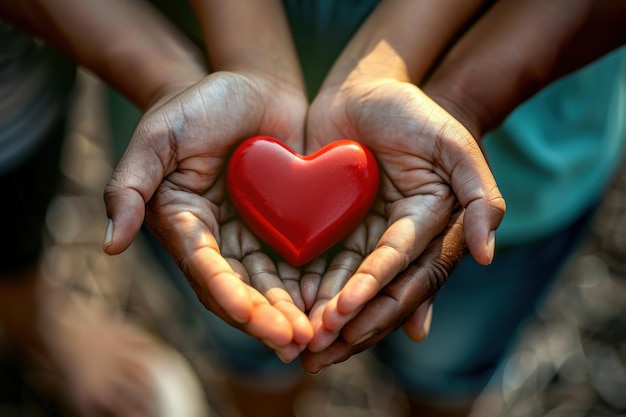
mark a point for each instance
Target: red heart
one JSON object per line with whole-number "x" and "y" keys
{"x": 301, "y": 205}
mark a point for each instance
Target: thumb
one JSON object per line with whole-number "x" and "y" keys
{"x": 475, "y": 187}
{"x": 133, "y": 182}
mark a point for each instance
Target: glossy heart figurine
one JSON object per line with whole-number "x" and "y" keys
{"x": 299, "y": 205}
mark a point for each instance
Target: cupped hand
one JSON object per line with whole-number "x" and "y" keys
{"x": 173, "y": 174}
{"x": 429, "y": 164}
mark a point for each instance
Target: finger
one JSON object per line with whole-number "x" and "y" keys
{"x": 417, "y": 326}
{"x": 216, "y": 283}
{"x": 295, "y": 142}
{"x": 125, "y": 208}
{"x": 269, "y": 325}
{"x": 356, "y": 246}
{"x": 133, "y": 182}
{"x": 264, "y": 278}
{"x": 340, "y": 269}
{"x": 311, "y": 280}
{"x": 315, "y": 362}
{"x": 290, "y": 277}
{"x": 265, "y": 322}
{"x": 322, "y": 336}
{"x": 222, "y": 290}
{"x": 474, "y": 186}
{"x": 289, "y": 353}
{"x": 260, "y": 272}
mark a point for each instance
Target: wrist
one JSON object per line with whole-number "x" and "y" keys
{"x": 455, "y": 95}
{"x": 250, "y": 38}
{"x": 169, "y": 81}
{"x": 147, "y": 71}
{"x": 491, "y": 70}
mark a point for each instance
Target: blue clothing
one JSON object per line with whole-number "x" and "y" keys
{"x": 556, "y": 153}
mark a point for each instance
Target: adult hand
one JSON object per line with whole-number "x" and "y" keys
{"x": 429, "y": 163}
{"x": 174, "y": 169}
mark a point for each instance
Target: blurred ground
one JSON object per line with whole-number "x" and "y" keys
{"x": 570, "y": 362}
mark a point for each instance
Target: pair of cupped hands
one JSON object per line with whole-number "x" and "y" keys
{"x": 437, "y": 198}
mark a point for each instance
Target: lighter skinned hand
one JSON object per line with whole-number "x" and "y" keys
{"x": 429, "y": 164}
{"x": 173, "y": 174}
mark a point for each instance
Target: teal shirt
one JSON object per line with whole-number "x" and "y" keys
{"x": 553, "y": 157}
{"x": 555, "y": 154}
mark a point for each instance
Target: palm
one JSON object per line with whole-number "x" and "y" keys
{"x": 178, "y": 155}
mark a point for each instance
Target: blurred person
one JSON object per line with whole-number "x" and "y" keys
{"x": 98, "y": 363}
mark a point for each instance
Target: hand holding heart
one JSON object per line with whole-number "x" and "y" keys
{"x": 429, "y": 164}
{"x": 174, "y": 167}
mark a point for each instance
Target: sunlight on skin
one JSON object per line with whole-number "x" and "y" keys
{"x": 220, "y": 285}
{"x": 279, "y": 298}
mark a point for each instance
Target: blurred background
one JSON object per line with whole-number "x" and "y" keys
{"x": 571, "y": 361}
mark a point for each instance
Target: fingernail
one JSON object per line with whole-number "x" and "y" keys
{"x": 365, "y": 337}
{"x": 491, "y": 245}
{"x": 281, "y": 357}
{"x": 108, "y": 235}
{"x": 427, "y": 321}
{"x": 319, "y": 371}
{"x": 269, "y": 344}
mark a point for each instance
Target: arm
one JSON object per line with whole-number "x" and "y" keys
{"x": 127, "y": 43}
{"x": 246, "y": 36}
{"x": 494, "y": 68}
{"x": 402, "y": 39}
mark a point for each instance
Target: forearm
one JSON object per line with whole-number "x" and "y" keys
{"x": 402, "y": 39}
{"x": 124, "y": 42}
{"x": 249, "y": 36}
{"x": 516, "y": 50}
